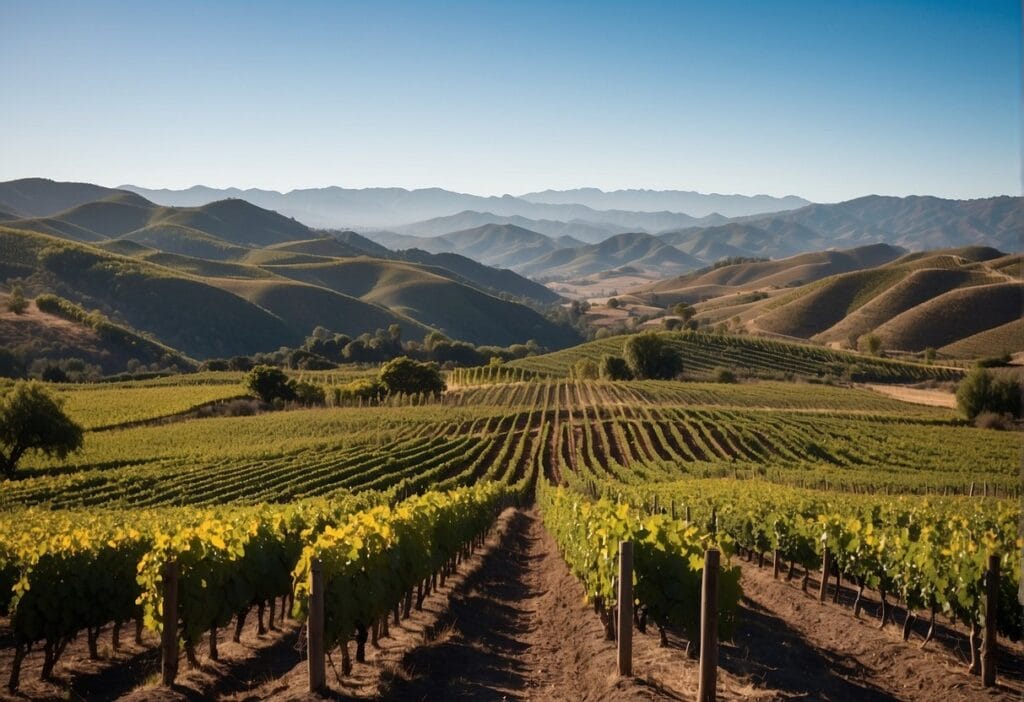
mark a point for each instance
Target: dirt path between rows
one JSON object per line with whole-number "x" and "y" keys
{"x": 791, "y": 641}
{"x": 917, "y": 396}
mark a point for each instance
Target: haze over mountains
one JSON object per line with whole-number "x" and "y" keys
{"x": 336, "y": 207}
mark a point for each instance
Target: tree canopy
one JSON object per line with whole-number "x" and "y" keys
{"x": 31, "y": 419}
{"x": 404, "y": 375}
{"x": 652, "y": 356}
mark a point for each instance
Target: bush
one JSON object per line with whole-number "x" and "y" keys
{"x": 307, "y": 393}
{"x": 870, "y": 343}
{"x": 369, "y": 389}
{"x": 651, "y": 356}
{"x": 613, "y": 303}
{"x": 724, "y": 375}
{"x": 585, "y": 369}
{"x": 269, "y": 383}
{"x": 992, "y": 420}
{"x": 980, "y": 392}
{"x": 16, "y": 301}
{"x": 614, "y": 368}
{"x": 404, "y": 375}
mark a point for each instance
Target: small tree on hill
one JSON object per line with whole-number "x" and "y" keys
{"x": 404, "y": 375}
{"x": 870, "y": 343}
{"x": 16, "y": 301}
{"x": 31, "y": 419}
{"x": 980, "y": 391}
{"x": 614, "y": 368}
{"x": 613, "y": 303}
{"x": 651, "y": 356}
{"x": 269, "y": 383}
{"x": 929, "y": 355}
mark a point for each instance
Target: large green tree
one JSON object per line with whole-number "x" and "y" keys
{"x": 31, "y": 419}
{"x": 404, "y": 375}
{"x": 650, "y": 355}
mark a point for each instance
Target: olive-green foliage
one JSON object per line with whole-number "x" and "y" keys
{"x": 586, "y": 369}
{"x": 31, "y": 419}
{"x": 651, "y": 356}
{"x": 614, "y": 368}
{"x": 981, "y": 392}
{"x": 269, "y": 383}
{"x": 16, "y": 301}
{"x": 404, "y": 375}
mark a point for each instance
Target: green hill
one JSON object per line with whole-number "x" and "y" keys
{"x": 753, "y": 356}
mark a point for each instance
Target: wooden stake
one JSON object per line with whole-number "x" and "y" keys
{"x": 989, "y": 644}
{"x": 315, "y": 632}
{"x": 707, "y": 688}
{"x": 169, "y": 636}
{"x": 826, "y": 564}
{"x": 776, "y": 563}
{"x": 625, "y": 601}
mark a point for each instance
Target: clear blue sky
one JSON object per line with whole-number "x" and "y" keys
{"x": 828, "y": 100}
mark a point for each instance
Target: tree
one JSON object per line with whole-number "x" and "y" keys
{"x": 269, "y": 383}
{"x": 16, "y": 301}
{"x": 651, "y": 356}
{"x": 980, "y": 391}
{"x": 614, "y": 368}
{"x": 684, "y": 310}
{"x": 31, "y": 419}
{"x": 870, "y": 343}
{"x": 404, "y": 375}
{"x": 724, "y": 375}
{"x": 929, "y": 355}
{"x": 613, "y": 303}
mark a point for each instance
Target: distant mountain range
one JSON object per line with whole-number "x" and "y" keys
{"x": 692, "y": 203}
{"x": 231, "y": 278}
{"x": 349, "y": 208}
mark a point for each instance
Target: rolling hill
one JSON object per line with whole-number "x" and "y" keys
{"x": 692, "y": 203}
{"x": 215, "y": 309}
{"x": 636, "y": 250}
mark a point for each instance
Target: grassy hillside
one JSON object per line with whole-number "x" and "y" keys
{"x": 640, "y": 251}
{"x": 747, "y": 355}
{"x": 68, "y": 332}
{"x": 458, "y": 310}
{"x": 955, "y": 315}
{"x": 1004, "y": 339}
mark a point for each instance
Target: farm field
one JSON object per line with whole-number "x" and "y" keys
{"x": 243, "y": 504}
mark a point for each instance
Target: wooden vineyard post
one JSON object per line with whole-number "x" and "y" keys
{"x": 826, "y": 565}
{"x": 706, "y": 690}
{"x": 776, "y": 562}
{"x": 625, "y": 602}
{"x": 988, "y": 644}
{"x": 315, "y": 631}
{"x": 169, "y": 635}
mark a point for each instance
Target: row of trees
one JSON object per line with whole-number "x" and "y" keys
{"x": 323, "y": 350}
{"x": 399, "y": 376}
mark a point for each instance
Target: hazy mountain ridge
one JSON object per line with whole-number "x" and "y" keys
{"x": 693, "y": 203}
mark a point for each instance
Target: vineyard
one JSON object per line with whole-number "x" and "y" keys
{"x": 200, "y": 533}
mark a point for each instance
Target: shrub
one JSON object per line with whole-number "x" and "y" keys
{"x": 614, "y": 368}
{"x": 613, "y": 302}
{"x": 724, "y": 375}
{"x": 16, "y": 301}
{"x": 980, "y": 392}
{"x": 993, "y": 420}
{"x": 870, "y": 343}
{"x": 651, "y": 356}
{"x": 585, "y": 369}
{"x": 269, "y": 383}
